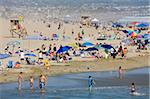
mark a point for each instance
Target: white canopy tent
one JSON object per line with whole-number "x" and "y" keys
{"x": 67, "y": 18}
{"x": 95, "y": 21}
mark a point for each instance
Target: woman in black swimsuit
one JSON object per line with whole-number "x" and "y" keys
{"x": 133, "y": 88}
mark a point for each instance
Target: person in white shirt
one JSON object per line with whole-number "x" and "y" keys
{"x": 22, "y": 56}
{"x": 40, "y": 56}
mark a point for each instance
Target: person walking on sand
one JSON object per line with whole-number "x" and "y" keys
{"x": 31, "y": 80}
{"x": 120, "y": 72}
{"x": 42, "y": 82}
{"x": 20, "y": 78}
{"x": 91, "y": 83}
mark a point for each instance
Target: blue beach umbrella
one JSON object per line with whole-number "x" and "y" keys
{"x": 142, "y": 25}
{"x": 92, "y": 49}
{"x": 3, "y": 56}
{"x": 63, "y": 49}
{"x": 86, "y": 44}
{"x": 115, "y": 25}
{"x": 106, "y": 46}
{"x": 30, "y": 54}
{"x": 98, "y": 46}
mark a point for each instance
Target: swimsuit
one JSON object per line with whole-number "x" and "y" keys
{"x": 41, "y": 85}
{"x": 90, "y": 82}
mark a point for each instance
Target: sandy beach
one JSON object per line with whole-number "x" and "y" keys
{"x": 10, "y": 75}
{"x": 74, "y": 49}
{"x": 135, "y": 59}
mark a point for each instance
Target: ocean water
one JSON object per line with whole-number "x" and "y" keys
{"x": 74, "y": 86}
{"x": 78, "y": 93}
{"x": 104, "y": 10}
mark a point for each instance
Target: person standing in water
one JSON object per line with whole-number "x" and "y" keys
{"x": 42, "y": 82}
{"x": 120, "y": 72}
{"x": 31, "y": 80}
{"x": 20, "y": 78}
{"x": 90, "y": 83}
{"x": 133, "y": 89}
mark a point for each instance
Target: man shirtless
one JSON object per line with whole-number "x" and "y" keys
{"x": 20, "y": 78}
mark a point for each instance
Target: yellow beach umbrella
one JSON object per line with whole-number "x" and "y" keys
{"x": 73, "y": 45}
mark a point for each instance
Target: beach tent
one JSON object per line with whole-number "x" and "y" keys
{"x": 3, "y": 56}
{"x": 92, "y": 49}
{"x": 63, "y": 49}
{"x": 95, "y": 21}
{"x": 67, "y": 18}
{"x": 87, "y": 44}
{"x": 34, "y": 38}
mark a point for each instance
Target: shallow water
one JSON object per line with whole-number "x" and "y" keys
{"x": 73, "y": 86}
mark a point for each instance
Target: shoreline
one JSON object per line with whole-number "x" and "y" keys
{"x": 72, "y": 68}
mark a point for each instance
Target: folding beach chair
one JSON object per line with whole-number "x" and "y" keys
{"x": 10, "y": 64}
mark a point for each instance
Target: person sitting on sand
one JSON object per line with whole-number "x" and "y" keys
{"x": 31, "y": 80}
{"x": 20, "y": 78}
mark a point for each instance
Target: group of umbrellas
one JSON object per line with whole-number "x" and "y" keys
{"x": 91, "y": 47}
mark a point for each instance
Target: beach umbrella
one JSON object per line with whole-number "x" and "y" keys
{"x": 63, "y": 49}
{"x": 73, "y": 45}
{"x": 106, "y": 46}
{"x": 134, "y": 23}
{"x": 98, "y": 46}
{"x": 92, "y": 49}
{"x": 116, "y": 25}
{"x": 86, "y": 44}
{"x": 13, "y": 44}
{"x": 138, "y": 36}
{"x": 142, "y": 25}
{"x": 133, "y": 34}
{"x": 30, "y": 54}
{"x": 146, "y": 35}
{"x": 2, "y": 56}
